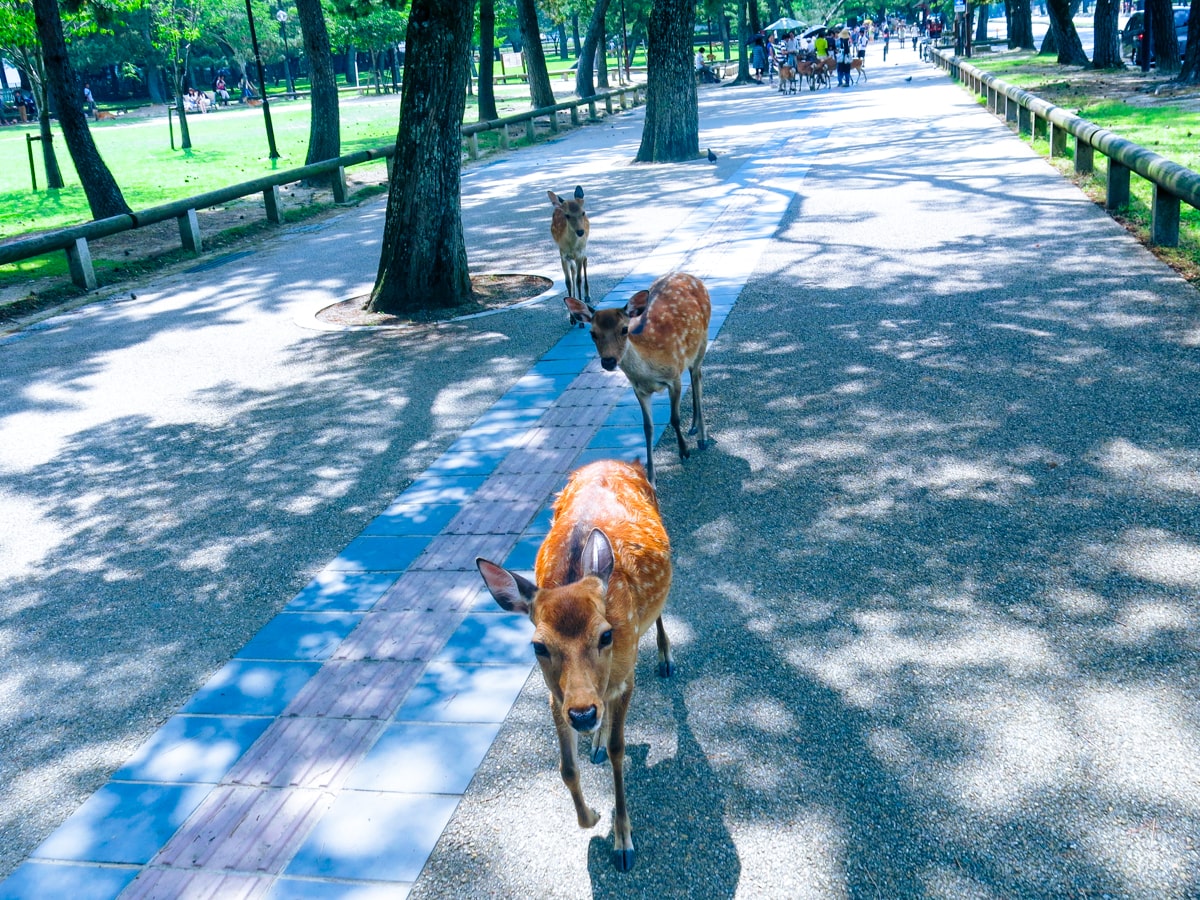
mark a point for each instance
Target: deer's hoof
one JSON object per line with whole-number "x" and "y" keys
{"x": 623, "y": 859}
{"x": 600, "y": 755}
{"x": 703, "y": 445}
{"x": 666, "y": 668}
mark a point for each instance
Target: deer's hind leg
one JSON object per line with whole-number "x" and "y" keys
{"x": 698, "y": 427}
{"x": 666, "y": 662}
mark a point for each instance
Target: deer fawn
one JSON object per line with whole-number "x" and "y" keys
{"x": 569, "y": 228}
{"x": 603, "y": 574}
{"x": 656, "y": 336}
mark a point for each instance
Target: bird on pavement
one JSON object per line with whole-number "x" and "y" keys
{"x": 712, "y": 157}
{"x": 909, "y": 78}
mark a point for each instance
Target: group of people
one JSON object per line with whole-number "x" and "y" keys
{"x": 767, "y": 53}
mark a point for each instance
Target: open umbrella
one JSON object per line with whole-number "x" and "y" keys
{"x": 816, "y": 32}
{"x": 785, "y": 24}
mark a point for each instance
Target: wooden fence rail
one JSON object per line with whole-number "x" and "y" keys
{"x": 1032, "y": 115}
{"x": 74, "y": 239}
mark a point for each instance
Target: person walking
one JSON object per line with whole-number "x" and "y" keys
{"x": 89, "y": 102}
{"x": 842, "y": 53}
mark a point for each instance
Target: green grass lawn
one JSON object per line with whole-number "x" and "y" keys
{"x": 229, "y": 145}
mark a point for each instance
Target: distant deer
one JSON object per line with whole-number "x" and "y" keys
{"x": 603, "y": 575}
{"x": 659, "y": 334}
{"x": 569, "y": 227}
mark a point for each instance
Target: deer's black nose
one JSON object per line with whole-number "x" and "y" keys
{"x": 579, "y": 232}
{"x": 609, "y": 363}
{"x": 583, "y": 719}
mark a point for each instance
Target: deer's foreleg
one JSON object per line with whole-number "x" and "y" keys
{"x": 648, "y": 429}
{"x": 581, "y": 261}
{"x": 623, "y": 854}
{"x": 568, "y": 766}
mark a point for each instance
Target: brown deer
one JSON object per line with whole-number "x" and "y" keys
{"x": 659, "y": 334}
{"x": 569, "y": 227}
{"x": 603, "y": 574}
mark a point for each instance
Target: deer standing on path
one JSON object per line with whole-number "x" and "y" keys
{"x": 569, "y": 227}
{"x": 659, "y": 334}
{"x": 603, "y": 575}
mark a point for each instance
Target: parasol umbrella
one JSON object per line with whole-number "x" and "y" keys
{"x": 816, "y": 32}
{"x": 785, "y": 24}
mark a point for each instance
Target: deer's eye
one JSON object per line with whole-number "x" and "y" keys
{"x": 606, "y": 639}
{"x": 540, "y": 649}
{"x": 595, "y": 338}
{"x": 624, "y": 330}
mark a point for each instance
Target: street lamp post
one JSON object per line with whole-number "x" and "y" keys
{"x": 281, "y": 17}
{"x": 262, "y": 83}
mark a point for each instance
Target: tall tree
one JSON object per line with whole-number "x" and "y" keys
{"x": 1161, "y": 21}
{"x": 671, "y": 131}
{"x": 325, "y": 127}
{"x": 540, "y": 92}
{"x": 487, "y": 60}
{"x": 19, "y": 43}
{"x": 743, "y": 75}
{"x": 593, "y": 43}
{"x": 1106, "y": 49}
{"x": 1019, "y": 15}
{"x": 423, "y": 263}
{"x": 104, "y": 196}
{"x": 1066, "y": 38}
{"x": 1190, "y": 71}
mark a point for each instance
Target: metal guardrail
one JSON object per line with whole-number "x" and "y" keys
{"x": 74, "y": 239}
{"x": 1173, "y": 183}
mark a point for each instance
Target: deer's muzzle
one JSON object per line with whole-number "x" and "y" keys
{"x": 583, "y": 720}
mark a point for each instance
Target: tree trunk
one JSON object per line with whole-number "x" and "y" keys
{"x": 54, "y": 179}
{"x": 1161, "y": 19}
{"x": 563, "y": 52}
{"x": 743, "y": 75}
{"x": 593, "y": 40}
{"x": 487, "y": 61}
{"x": 981, "y": 26}
{"x": 325, "y": 126}
{"x": 424, "y": 258}
{"x": 540, "y": 92}
{"x": 671, "y": 131}
{"x": 1190, "y": 71}
{"x": 1106, "y": 52}
{"x": 1020, "y": 25}
{"x": 352, "y": 65}
{"x": 104, "y": 196}
{"x": 185, "y": 136}
{"x": 1066, "y": 38}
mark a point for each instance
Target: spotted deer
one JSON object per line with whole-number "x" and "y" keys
{"x": 569, "y": 227}
{"x": 602, "y": 577}
{"x": 659, "y": 334}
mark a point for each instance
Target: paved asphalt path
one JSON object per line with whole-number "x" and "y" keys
{"x": 934, "y": 608}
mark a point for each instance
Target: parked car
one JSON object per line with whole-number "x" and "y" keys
{"x": 1131, "y": 34}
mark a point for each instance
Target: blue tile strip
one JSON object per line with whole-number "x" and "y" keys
{"x": 410, "y": 753}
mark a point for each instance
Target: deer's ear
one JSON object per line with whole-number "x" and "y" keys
{"x": 555, "y": 199}
{"x": 579, "y": 192}
{"x": 578, "y": 308}
{"x": 513, "y": 592}
{"x": 598, "y": 556}
{"x": 637, "y": 304}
